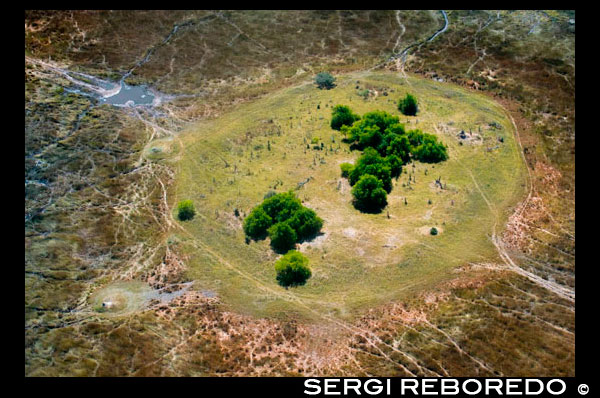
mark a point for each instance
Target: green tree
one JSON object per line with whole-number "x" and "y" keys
{"x": 341, "y": 115}
{"x": 400, "y": 146}
{"x": 305, "y": 223}
{"x": 292, "y": 269}
{"x": 324, "y": 80}
{"x": 257, "y": 223}
{"x": 408, "y": 106}
{"x": 369, "y": 195}
{"x": 185, "y": 210}
{"x": 283, "y": 237}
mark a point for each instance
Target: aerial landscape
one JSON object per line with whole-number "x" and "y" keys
{"x": 364, "y": 193}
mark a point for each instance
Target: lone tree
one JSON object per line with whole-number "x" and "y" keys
{"x": 369, "y": 195}
{"x": 408, "y": 106}
{"x": 324, "y": 80}
{"x": 341, "y": 115}
{"x": 292, "y": 269}
{"x": 185, "y": 210}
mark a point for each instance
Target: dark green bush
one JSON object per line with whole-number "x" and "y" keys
{"x": 408, "y": 106}
{"x": 283, "y": 237}
{"x": 305, "y": 223}
{"x": 324, "y": 80}
{"x": 257, "y": 223}
{"x": 185, "y": 210}
{"x": 433, "y": 231}
{"x": 369, "y": 195}
{"x": 292, "y": 269}
{"x": 372, "y": 163}
{"x": 341, "y": 115}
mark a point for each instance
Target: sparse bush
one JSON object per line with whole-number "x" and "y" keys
{"x": 185, "y": 210}
{"x": 325, "y": 80}
{"x": 369, "y": 195}
{"x": 346, "y": 169}
{"x": 283, "y": 237}
{"x": 408, "y": 106}
{"x": 292, "y": 269}
{"x": 341, "y": 115}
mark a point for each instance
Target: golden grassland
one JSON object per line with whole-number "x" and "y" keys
{"x": 360, "y": 259}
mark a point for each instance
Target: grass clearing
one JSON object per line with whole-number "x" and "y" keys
{"x": 361, "y": 259}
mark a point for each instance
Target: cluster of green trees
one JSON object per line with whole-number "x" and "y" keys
{"x": 387, "y": 147}
{"x": 284, "y": 219}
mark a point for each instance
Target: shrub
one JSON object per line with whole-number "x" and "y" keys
{"x": 292, "y": 269}
{"x": 324, "y": 80}
{"x": 369, "y": 195}
{"x": 408, "y": 106}
{"x": 305, "y": 223}
{"x": 346, "y": 169}
{"x": 341, "y": 115}
{"x": 257, "y": 223}
{"x": 433, "y": 231}
{"x": 185, "y": 210}
{"x": 283, "y": 237}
